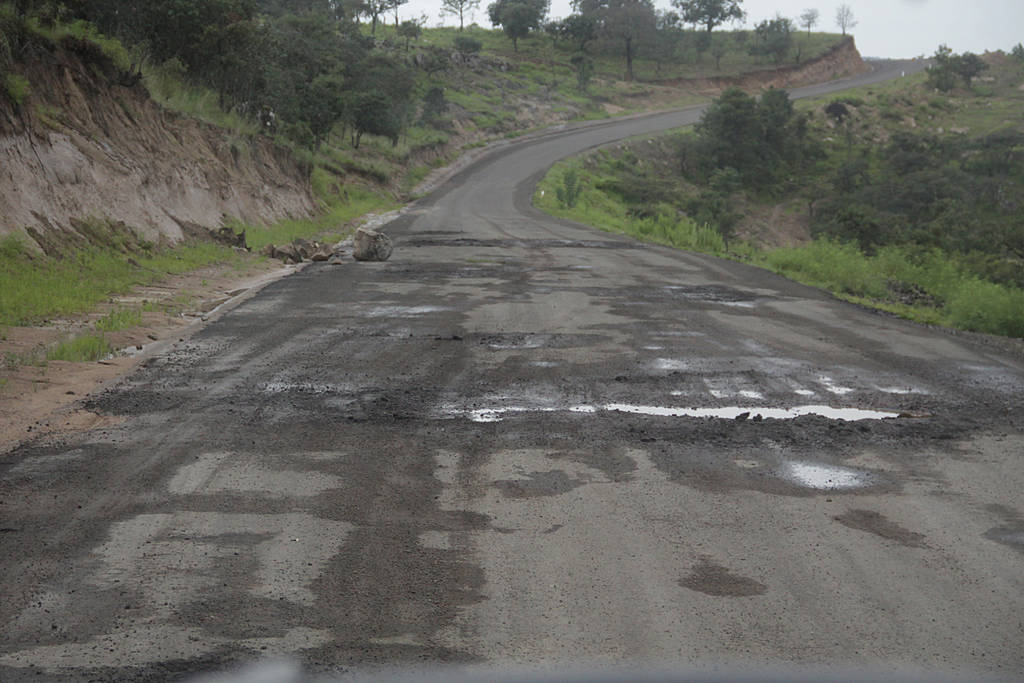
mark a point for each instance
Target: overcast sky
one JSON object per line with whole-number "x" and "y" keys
{"x": 885, "y": 28}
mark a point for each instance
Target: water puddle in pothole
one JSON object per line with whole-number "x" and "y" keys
{"x": 825, "y": 477}
{"x": 499, "y": 413}
{"x": 670, "y": 364}
{"x": 733, "y": 412}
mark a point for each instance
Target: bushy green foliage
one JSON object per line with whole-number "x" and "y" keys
{"x": 467, "y": 44}
{"x": 773, "y": 38}
{"x": 947, "y": 67}
{"x": 569, "y": 191}
{"x": 759, "y": 139}
{"x": 16, "y": 88}
{"x": 960, "y": 195}
{"x": 709, "y": 13}
{"x": 518, "y": 18}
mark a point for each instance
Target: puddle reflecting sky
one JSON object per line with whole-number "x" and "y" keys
{"x": 732, "y": 412}
{"x": 824, "y": 477}
{"x": 498, "y": 413}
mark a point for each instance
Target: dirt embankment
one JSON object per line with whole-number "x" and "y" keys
{"x": 842, "y": 60}
{"x": 87, "y": 141}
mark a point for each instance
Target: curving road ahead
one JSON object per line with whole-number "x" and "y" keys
{"x": 525, "y": 443}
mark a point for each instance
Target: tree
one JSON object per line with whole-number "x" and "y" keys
{"x": 410, "y": 30}
{"x": 375, "y": 9}
{"x": 719, "y": 48}
{"x": 757, "y": 139}
{"x": 844, "y": 18}
{"x": 325, "y": 105}
{"x": 809, "y": 18}
{"x": 394, "y": 5}
{"x": 517, "y": 17}
{"x": 946, "y": 67}
{"x": 584, "y": 70}
{"x": 940, "y": 72}
{"x": 773, "y": 38}
{"x": 578, "y": 28}
{"x": 709, "y": 13}
{"x": 967, "y": 66}
{"x": 379, "y": 100}
{"x": 628, "y": 21}
{"x": 459, "y": 8}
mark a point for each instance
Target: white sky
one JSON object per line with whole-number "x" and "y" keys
{"x": 885, "y": 28}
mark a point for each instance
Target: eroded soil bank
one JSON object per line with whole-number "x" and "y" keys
{"x": 88, "y": 141}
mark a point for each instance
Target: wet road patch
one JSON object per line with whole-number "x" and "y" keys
{"x": 825, "y": 477}
{"x": 876, "y": 523}
{"x": 713, "y": 579}
{"x": 754, "y": 413}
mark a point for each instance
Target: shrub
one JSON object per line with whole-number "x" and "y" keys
{"x": 988, "y": 307}
{"x": 16, "y": 88}
{"x": 569, "y": 191}
{"x": 467, "y": 45}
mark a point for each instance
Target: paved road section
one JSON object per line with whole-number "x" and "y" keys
{"x": 522, "y": 442}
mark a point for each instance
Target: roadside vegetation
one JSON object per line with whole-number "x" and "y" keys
{"x": 903, "y": 196}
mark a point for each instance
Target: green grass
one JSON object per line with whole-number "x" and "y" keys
{"x": 608, "y": 213}
{"x": 352, "y": 202}
{"x": 34, "y": 289}
{"x": 121, "y": 319}
{"x": 954, "y": 297}
{"x": 81, "y": 349}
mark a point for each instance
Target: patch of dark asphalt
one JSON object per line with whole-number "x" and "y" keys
{"x": 711, "y": 578}
{"x": 1011, "y": 532}
{"x": 538, "y": 484}
{"x": 668, "y": 293}
{"x": 1012, "y": 536}
{"x": 876, "y": 523}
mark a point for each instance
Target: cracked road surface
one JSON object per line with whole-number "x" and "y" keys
{"x": 522, "y": 442}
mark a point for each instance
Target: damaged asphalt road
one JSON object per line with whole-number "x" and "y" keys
{"x": 499, "y": 449}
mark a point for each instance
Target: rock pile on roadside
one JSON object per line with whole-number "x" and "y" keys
{"x": 367, "y": 245}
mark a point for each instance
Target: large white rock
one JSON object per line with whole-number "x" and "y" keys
{"x": 371, "y": 245}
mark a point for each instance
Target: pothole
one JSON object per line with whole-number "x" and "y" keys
{"x": 824, "y": 477}
{"x": 500, "y": 412}
{"x": 741, "y": 412}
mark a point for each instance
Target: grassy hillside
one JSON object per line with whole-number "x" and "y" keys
{"x": 903, "y": 198}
